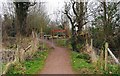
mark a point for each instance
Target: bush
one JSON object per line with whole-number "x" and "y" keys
{"x": 83, "y": 56}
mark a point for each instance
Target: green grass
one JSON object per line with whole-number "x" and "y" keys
{"x": 81, "y": 64}
{"x": 37, "y": 63}
{"x": 2, "y": 65}
{"x": 63, "y": 43}
{"x": 60, "y": 42}
{"x": 114, "y": 69}
{"x": 32, "y": 66}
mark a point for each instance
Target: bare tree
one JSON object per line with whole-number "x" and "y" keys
{"x": 77, "y": 19}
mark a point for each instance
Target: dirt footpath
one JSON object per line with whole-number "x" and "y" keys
{"x": 58, "y": 61}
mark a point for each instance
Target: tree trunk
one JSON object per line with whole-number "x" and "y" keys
{"x": 105, "y": 20}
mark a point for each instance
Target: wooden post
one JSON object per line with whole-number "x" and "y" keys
{"x": 42, "y": 37}
{"x": 17, "y": 55}
{"x": 91, "y": 43}
{"x": 57, "y": 39}
{"x": 33, "y": 43}
{"x": 106, "y": 55}
{"x": 52, "y": 38}
{"x": 41, "y": 33}
{"x": 101, "y": 59}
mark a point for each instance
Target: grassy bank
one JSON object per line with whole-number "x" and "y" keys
{"x": 37, "y": 63}
{"x": 81, "y": 62}
{"x": 82, "y": 65}
{"x": 32, "y": 66}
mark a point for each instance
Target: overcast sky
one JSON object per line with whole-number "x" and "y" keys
{"x": 52, "y": 6}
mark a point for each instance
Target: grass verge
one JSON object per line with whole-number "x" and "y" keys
{"x": 35, "y": 65}
{"x": 32, "y": 66}
{"x": 81, "y": 65}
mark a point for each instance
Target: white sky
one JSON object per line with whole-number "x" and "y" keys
{"x": 51, "y": 6}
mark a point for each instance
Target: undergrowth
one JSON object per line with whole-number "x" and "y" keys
{"x": 82, "y": 65}
{"x": 29, "y": 66}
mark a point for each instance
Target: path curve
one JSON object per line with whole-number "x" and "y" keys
{"x": 58, "y": 61}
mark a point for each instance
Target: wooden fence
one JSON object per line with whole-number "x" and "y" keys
{"x": 11, "y": 57}
{"x": 7, "y": 55}
{"x": 107, "y": 50}
{"x": 104, "y": 56}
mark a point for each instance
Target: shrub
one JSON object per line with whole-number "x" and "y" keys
{"x": 83, "y": 56}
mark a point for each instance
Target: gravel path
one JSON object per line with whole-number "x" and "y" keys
{"x": 58, "y": 61}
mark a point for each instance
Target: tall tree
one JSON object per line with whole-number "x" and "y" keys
{"x": 77, "y": 19}
{"x": 106, "y": 24}
{"x": 21, "y": 9}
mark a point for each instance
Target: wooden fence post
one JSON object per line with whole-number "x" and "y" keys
{"x": 91, "y": 43}
{"x": 106, "y": 55}
{"x": 101, "y": 59}
{"x": 17, "y": 54}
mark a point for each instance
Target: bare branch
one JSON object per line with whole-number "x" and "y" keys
{"x": 73, "y": 7}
